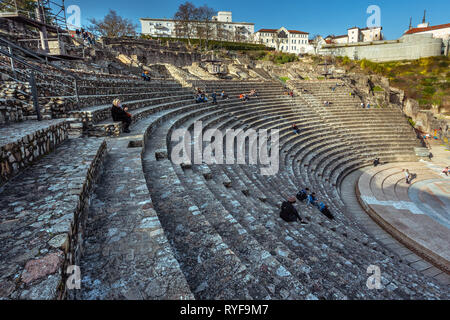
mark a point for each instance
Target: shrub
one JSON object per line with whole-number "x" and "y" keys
{"x": 412, "y": 122}
{"x": 377, "y": 89}
{"x": 284, "y": 79}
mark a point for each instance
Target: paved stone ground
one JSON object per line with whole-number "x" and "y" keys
{"x": 14, "y": 131}
{"x": 127, "y": 255}
{"x": 37, "y": 209}
{"x": 355, "y": 211}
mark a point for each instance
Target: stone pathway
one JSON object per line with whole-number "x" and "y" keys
{"x": 15, "y": 131}
{"x": 127, "y": 255}
{"x": 40, "y": 210}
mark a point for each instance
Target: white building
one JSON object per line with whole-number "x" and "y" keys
{"x": 355, "y": 35}
{"x": 221, "y": 27}
{"x": 441, "y": 31}
{"x": 289, "y": 41}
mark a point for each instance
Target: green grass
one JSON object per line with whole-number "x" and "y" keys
{"x": 427, "y": 80}
{"x": 377, "y": 89}
{"x": 411, "y": 122}
{"x": 276, "y": 57}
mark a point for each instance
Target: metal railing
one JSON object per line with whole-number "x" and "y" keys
{"x": 37, "y": 73}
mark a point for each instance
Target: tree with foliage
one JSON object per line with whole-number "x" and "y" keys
{"x": 113, "y": 26}
{"x": 22, "y": 5}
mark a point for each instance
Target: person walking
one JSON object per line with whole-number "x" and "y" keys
{"x": 407, "y": 176}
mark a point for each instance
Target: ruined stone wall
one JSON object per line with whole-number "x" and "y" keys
{"x": 19, "y": 154}
{"x": 426, "y": 120}
{"x": 152, "y": 52}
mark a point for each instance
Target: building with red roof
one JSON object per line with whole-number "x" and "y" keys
{"x": 439, "y": 31}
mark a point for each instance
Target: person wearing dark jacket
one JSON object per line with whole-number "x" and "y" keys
{"x": 302, "y": 194}
{"x": 288, "y": 212}
{"x": 120, "y": 114}
{"x": 324, "y": 209}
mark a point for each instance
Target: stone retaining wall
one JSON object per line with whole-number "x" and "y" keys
{"x": 406, "y": 48}
{"x": 73, "y": 252}
{"x": 20, "y": 154}
{"x": 10, "y": 111}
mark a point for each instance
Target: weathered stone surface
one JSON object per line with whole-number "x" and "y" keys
{"x": 36, "y": 269}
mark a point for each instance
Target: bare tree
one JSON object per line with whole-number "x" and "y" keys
{"x": 184, "y": 17}
{"x": 205, "y": 25}
{"x": 317, "y": 43}
{"x": 113, "y": 26}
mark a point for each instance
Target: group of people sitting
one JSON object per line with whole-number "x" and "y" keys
{"x": 290, "y": 214}
{"x": 201, "y": 96}
{"x": 246, "y": 96}
{"x": 88, "y": 38}
{"x": 364, "y": 106}
{"x": 289, "y": 93}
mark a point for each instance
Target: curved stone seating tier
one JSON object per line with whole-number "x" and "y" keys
{"x": 23, "y": 143}
{"x": 416, "y": 214}
{"x": 207, "y": 174}
{"x": 203, "y": 231}
{"x": 42, "y": 219}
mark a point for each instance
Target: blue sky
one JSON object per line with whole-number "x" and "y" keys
{"x": 322, "y": 17}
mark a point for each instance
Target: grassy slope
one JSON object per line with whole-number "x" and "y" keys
{"x": 426, "y": 80}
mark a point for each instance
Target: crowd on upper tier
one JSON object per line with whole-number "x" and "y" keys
{"x": 201, "y": 96}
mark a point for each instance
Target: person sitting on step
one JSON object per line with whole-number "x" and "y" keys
{"x": 288, "y": 212}
{"x": 376, "y": 162}
{"x": 119, "y": 113}
{"x": 145, "y": 76}
{"x": 324, "y": 209}
{"x": 295, "y": 129}
{"x": 312, "y": 199}
{"x": 224, "y": 95}
{"x": 214, "y": 97}
{"x": 445, "y": 171}
{"x": 302, "y": 195}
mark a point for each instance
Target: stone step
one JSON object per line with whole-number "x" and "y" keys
{"x": 43, "y": 219}
{"x": 24, "y": 143}
{"x": 127, "y": 253}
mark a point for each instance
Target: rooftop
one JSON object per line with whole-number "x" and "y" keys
{"x": 276, "y": 30}
{"x": 212, "y": 21}
{"x": 417, "y": 30}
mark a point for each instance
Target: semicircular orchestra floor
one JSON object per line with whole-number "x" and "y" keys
{"x": 417, "y": 214}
